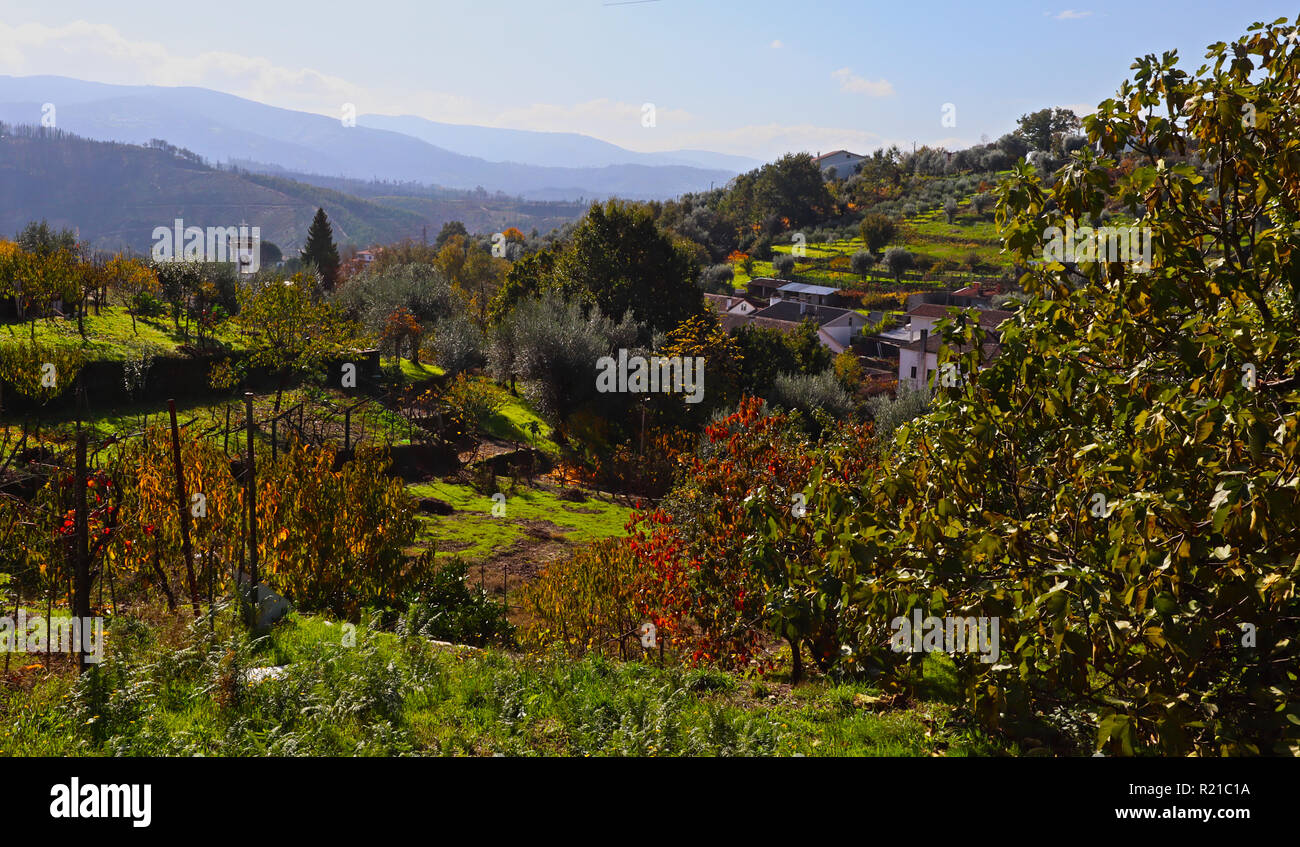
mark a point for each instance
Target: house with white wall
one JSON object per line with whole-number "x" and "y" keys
{"x": 844, "y": 163}
{"x": 732, "y": 309}
{"x": 918, "y": 358}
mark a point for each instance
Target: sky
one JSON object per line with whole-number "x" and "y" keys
{"x": 750, "y": 77}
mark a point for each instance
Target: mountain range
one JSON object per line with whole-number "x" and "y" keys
{"x": 224, "y": 128}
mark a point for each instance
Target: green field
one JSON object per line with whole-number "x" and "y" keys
{"x": 926, "y": 234}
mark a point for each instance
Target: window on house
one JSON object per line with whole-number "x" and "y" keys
{"x": 913, "y": 373}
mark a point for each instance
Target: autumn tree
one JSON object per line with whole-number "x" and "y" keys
{"x": 288, "y": 332}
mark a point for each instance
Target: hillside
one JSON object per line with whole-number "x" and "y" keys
{"x": 116, "y": 194}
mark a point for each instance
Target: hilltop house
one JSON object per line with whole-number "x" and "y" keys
{"x": 843, "y": 162}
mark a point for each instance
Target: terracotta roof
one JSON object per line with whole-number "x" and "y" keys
{"x": 835, "y": 153}
{"x": 988, "y": 317}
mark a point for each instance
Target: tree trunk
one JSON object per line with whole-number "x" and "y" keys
{"x": 796, "y": 662}
{"x": 161, "y": 578}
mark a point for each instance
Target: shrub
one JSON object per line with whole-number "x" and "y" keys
{"x": 889, "y": 413}
{"x": 146, "y": 305}
{"x": 783, "y": 265}
{"x": 590, "y": 601}
{"x": 446, "y": 608}
{"x": 807, "y": 392}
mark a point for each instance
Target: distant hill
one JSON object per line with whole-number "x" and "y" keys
{"x": 222, "y": 128}
{"x": 552, "y": 149}
{"x": 116, "y": 194}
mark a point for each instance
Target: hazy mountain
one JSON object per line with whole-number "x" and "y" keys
{"x": 552, "y": 149}
{"x": 222, "y": 128}
{"x": 115, "y": 194}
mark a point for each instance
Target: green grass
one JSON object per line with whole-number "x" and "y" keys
{"x": 512, "y": 421}
{"x": 474, "y": 525}
{"x": 109, "y": 335}
{"x": 169, "y": 693}
{"x": 412, "y": 372}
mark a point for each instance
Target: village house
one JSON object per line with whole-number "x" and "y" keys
{"x": 803, "y": 292}
{"x": 764, "y": 288}
{"x": 835, "y": 327}
{"x": 733, "y": 310}
{"x": 918, "y": 356}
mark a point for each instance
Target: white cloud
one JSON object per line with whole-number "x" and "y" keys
{"x": 1069, "y": 15}
{"x": 776, "y": 45}
{"x": 100, "y": 52}
{"x": 854, "y": 84}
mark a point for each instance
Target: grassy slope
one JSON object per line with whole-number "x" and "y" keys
{"x": 183, "y": 694}
{"x": 109, "y": 335}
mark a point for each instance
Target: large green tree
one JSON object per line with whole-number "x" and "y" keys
{"x": 621, "y": 261}
{"x": 1119, "y": 487}
{"x": 1042, "y": 130}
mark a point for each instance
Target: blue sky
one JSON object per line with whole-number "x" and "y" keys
{"x": 756, "y": 78}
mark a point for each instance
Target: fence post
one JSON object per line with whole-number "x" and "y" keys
{"x": 81, "y": 591}
{"x": 347, "y": 428}
{"x": 250, "y": 480}
{"x": 182, "y": 503}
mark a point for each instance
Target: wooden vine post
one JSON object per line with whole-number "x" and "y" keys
{"x": 81, "y": 590}
{"x": 182, "y": 503}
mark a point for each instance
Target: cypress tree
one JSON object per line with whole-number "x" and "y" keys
{"x": 320, "y": 250}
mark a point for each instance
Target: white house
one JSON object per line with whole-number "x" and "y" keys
{"x": 918, "y": 358}
{"x": 844, "y": 163}
{"x": 924, "y": 317}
